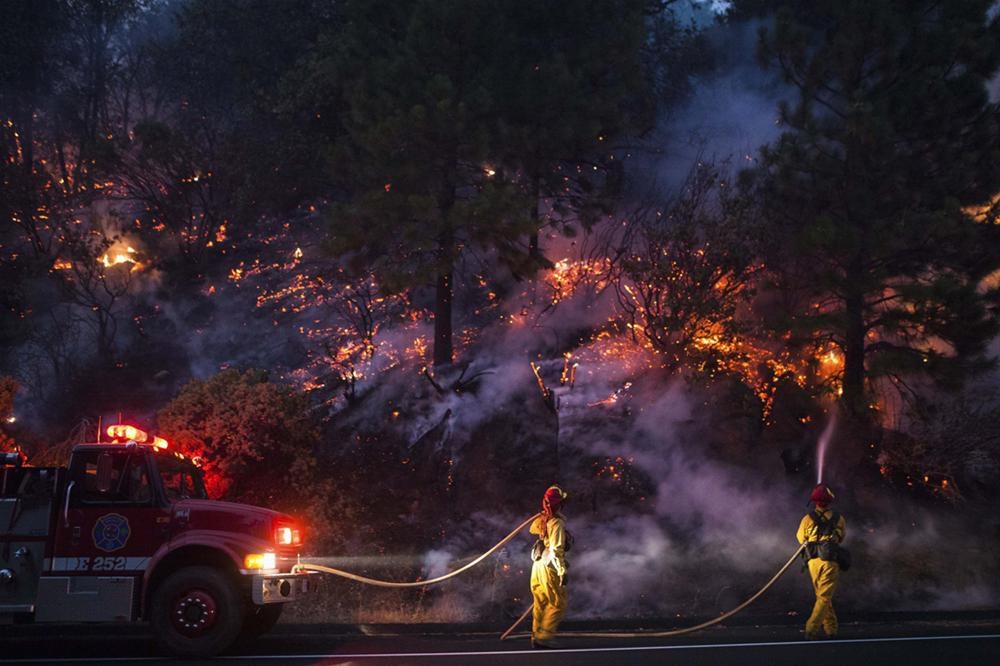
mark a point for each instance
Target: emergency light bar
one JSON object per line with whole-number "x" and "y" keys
{"x": 127, "y": 432}
{"x": 132, "y": 434}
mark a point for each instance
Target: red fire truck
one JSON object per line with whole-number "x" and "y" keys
{"x": 126, "y": 533}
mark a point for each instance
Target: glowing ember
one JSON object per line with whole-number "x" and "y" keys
{"x": 567, "y": 276}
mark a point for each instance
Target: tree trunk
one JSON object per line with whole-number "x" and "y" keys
{"x": 442, "y": 319}
{"x": 854, "y": 356}
{"x": 445, "y": 290}
{"x": 536, "y": 189}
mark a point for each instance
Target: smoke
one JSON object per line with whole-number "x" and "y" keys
{"x": 436, "y": 563}
{"x": 669, "y": 517}
{"x": 711, "y": 531}
{"x": 732, "y": 112}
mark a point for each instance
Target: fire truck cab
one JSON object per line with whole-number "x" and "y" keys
{"x": 126, "y": 533}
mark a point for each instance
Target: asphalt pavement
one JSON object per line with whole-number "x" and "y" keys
{"x": 938, "y": 639}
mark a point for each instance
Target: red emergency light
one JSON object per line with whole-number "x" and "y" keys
{"x": 288, "y": 535}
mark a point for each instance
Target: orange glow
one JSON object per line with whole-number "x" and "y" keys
{"x": 566, "y": 276}
{"x": 160, "y": 443}
{"x": 987, "y": 212}
{"x": 115, "y": 257}
{"x": 260, "y": 561}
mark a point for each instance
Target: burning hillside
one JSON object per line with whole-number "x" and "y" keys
{"x": 418, "y": 261}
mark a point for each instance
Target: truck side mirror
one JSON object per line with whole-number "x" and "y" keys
{"x": 104, "y": 473}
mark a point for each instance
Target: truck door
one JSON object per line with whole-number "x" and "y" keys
{"x": 108, "y": 529}
{"x": 29, "y": 497}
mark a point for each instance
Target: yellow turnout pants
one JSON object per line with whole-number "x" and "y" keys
{"x": 824, "y": 577}
{"x": 549, "y": 601}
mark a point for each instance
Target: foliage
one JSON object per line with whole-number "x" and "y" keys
{"x": 63, "y": 68}
{"x": 571, "y": 86}
{"x": 211, "y": 152}
{"x": 358, "y": 312}
{"x": 689, "y": 273}
{"x": 448, "y": 116}
{"x": 255, "y": 438}
{"x": 412, "y": 144}
{"x": 892, "y": 133}
{"x": 952, "y": 449}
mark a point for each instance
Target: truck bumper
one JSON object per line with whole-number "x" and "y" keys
{"x": 279, "y": 588}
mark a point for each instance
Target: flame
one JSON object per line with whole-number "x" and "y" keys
{"x": 116, "y": 257}
{"x": 417, "y": 350}
{"x": 988, "y": 212}
{"x": 567, "y": 276}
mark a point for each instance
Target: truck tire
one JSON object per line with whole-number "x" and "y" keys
{"x": 260, "y": 620}
{"x": 196, "y": 612}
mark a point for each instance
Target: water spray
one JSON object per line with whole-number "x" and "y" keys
{"x": 823, "y": 444}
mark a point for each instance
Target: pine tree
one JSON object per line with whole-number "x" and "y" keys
{"x": 573, "y": 84}
{"x": 891, "y": 137}
{"x": 429, "y": 108}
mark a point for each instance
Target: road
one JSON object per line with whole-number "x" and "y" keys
{"x": 911, "y": 642}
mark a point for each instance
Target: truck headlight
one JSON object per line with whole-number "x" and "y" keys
{"x": 260, "y": 561}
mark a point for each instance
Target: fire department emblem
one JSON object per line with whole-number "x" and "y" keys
{"x": 111, "y": 532}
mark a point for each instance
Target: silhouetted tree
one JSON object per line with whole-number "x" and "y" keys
{"x": 891, "y": 134}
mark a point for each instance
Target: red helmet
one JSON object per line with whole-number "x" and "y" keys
{"x": 553, "y": 498}
{"x": 821, "y": 494}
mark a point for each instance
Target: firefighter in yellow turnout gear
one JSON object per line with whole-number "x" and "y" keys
{"x": 822, "y": 530}
{"x": 548, "y": 571}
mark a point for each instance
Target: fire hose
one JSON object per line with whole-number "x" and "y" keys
{"x": 673, "y": 632}
{"x": 306, "y": 566}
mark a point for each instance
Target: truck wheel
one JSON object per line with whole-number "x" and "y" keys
{"x": 260, "y": 620}
{"x": 196, "y": 612}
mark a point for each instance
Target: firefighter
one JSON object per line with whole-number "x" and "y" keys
{"x": 548, "y": 571}
{"x": 822, "y": 530}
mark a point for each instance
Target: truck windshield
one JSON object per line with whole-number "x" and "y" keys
{"x": 180, "y": 479}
